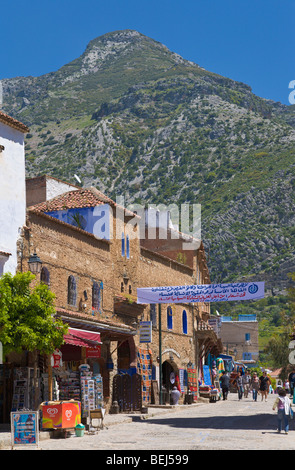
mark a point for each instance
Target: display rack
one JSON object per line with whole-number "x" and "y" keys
{"x": 91, "y": 390}
{"x": 24, "y": 388}
{"x": 68, "y": 385}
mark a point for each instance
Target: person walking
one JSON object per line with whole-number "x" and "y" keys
{"x": 283, "y": 404}
{"x": 246, "y": 378}
{"x": 264, "y": 383}
{"x": 239, "y": 384}
{"x": 292, "y": 382}
{"x": 254, "y": 384}
{"x": 224, "y": 382}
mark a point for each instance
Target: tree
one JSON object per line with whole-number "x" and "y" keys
{"x": 27, "y": 315}
{"x": 277, "y": 349}
{"x": 27, "y": 318}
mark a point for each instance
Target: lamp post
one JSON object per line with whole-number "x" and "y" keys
{"x": 35, "y": 264}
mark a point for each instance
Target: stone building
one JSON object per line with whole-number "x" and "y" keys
{"x": 241, "y": 337}
{"x": 94, "y": 259}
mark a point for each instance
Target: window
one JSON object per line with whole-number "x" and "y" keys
{"x": 153, "y": 315}
{"x": 72, "y": 291}
{"x": 184, "y": 322}
{"x": 247, "y": 337}
{"x": 96, "y": 296}
{"x": 45, "y": 277}
{"x": 127, "y": 247}
{"x": 247, "y": 356}
{"x": 123, "y": 245}
{"x": 169, "y": 318}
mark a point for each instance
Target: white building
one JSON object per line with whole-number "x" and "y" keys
{"x": 12, "y": 189}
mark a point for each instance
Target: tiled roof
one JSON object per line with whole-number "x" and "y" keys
{"x": 76, "y": 199}
{"x": 5, "y": 253}
{"x": 10, "y": 121}
{"x": 90, "y": 197}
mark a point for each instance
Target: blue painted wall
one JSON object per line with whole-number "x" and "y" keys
{"x": 95, "y": 220}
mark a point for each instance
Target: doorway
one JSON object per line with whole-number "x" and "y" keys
{"x": 169, "y": 373}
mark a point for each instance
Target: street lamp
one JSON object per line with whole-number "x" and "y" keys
{"x": 35, "y": 264}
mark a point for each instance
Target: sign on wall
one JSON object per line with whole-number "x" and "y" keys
{"x": 145, "y": 332}
{"x": 201, "y": 293}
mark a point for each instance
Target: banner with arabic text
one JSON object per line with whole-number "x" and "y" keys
{"x": 201, "y": 293}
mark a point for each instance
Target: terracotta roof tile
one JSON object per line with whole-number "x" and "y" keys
{"x": 74, "y": 199}
{"x": 5, "y": 253}
{"x": 10, "y": 121}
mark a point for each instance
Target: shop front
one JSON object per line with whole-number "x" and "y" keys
{"x": 73, "y": 385}
{"x": 208, "y": 348}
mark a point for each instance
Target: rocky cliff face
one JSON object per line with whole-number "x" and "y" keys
{"x": 133, "y": 118}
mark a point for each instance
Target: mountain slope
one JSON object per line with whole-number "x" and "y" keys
{"x": 135, "y": 119}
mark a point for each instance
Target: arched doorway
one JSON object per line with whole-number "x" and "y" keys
{"x": 169, "y": 372}
{"x": 124, "y": 356}
{"x": 127, "y": 382}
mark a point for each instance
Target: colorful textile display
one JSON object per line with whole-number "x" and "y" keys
{"x": 192, "y": 382}
{"x": 144, "y": 368}
{"x": 220, "y": 366}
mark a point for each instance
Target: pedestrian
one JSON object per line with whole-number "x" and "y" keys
{"x": 254, "y": 386}
{"x": 283, "y": 404}
{"x": 264, "y": 383}
{"x": 246, "y": 379}
{"x": 239, "y": 384}
{"x": 224, "y": 382}
{"x": 292, "y": 382}
{"x": 286, "y": 385}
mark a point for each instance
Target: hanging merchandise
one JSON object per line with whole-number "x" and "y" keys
{"x": 220, "y": 365}
{"x": 68, "y": 385}
{"x": 91, "y": 390}
{"x": 182, "y": 373}
{"x": 144, "y": 368}
{"x": 56, "y": 359}
{"x": 192, "y": 381}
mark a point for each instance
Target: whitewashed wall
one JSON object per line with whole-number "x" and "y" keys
{"x": 56, "y": 188}
{"x": 12, "y": 192}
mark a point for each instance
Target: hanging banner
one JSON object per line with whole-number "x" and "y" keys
{"x": 201, "y": 293}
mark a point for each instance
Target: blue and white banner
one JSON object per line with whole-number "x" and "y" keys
{"x": 201, "y": 293}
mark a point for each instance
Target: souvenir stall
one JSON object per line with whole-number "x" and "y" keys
{"x": 209, "y": 386}
{"x": 72, "y": 387}
{"x": 225, "y": 363}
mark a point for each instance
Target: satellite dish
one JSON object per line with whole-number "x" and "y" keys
{"x": 78, "y": 179}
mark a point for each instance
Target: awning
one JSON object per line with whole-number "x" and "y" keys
{"x": 88, "y": 339}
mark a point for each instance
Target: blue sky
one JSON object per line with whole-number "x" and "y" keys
{"x": 247, "y": 40}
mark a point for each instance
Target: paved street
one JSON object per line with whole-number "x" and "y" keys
{"x": 225, "y": 425}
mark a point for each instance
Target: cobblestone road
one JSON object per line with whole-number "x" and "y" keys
{"x": 225, "y": 425}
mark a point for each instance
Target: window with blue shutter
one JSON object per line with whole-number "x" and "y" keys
{"x": 184, "y": 322}
{"x": 123, "y": 245}
{"x": 127, "y": 247}
{"x": 169, "y": 318}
